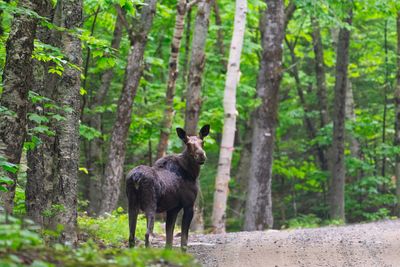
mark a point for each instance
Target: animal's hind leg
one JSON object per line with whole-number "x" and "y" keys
{"x": 133, "y": 210}
{"x": 133, "y": 214}
{"x": 150, "y": 214}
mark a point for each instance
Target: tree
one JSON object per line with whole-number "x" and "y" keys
{"x": 337, "y": 183}
{"x": 182, "y": 8}
{"x": 320, "y": 72}
{"x": 40, "y": 182}
{"x": 197, "y": 63}
{"x": 17, "y": 80}
{"x": 193, "y": 94}
{"x": 397, "y": 117}
{"x": 95, "y": 147}
{"x": 68, "y": 87}
{"x": 230, "y": 113}
{"x": 133, "y": 73}
{"x": 220, "y": 35}
{"x": 258, "y": 214}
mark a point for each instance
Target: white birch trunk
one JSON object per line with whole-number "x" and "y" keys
{"x": 228, "y": 135}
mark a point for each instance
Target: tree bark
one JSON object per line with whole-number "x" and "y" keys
{"x": 385, "y": 100}
{"x": 193, "y": 94}
{"x": 187, "y": 48}
{"x": 320, "y": 72}
{"x": 67, "y": 131}
{"x": 228, "y": 133}
{"x": 351, "y": 116}
{"x": 17, "y": 81}
{"x": 197, "y": 63}
{"x": 337, "y": 184}
{"x": 242, "y": 174}
{"x": 133, "y": 73}
{"x": 39, "y": 185}
{"x": 258, "y": 214}
{"x": 172, "y": 77}
{"x": 96, "y": 167}
{"x": 397, "y": 118}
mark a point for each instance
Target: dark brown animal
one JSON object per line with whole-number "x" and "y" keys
{"x": 169, "y": 186}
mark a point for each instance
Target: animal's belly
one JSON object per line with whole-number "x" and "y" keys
{"x": 167, "y": 203}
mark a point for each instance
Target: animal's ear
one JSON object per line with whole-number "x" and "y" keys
{"x": 204, "y": 131}
{"x": 181, "y": 134}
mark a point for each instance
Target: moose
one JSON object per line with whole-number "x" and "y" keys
{"x": 169, "y": 186}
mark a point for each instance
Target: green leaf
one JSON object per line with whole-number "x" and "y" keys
{"x": 8, "y": 166}
{"x": 83, "y": 169}
{"x": 82, "y": 91}
{"x": 38, "y": 118}
{"x": 88, "y": 133}
{"x": 6, "y": 180}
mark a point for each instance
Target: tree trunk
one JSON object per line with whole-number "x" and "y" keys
{"x": 67, "y": 131}
{"x": 96, "y": 156}
{"x": 320, "y": 73}
{"x": 220, "y": 35}
{"x": 197, "y": 63}
{"x": 17, "y": 81}
{"x": 310, "y": 128}
{"x": 242, "y": 174}
{"x": 187, "y": 48}
{"x": 133, "y": 73}
{"x": 397, "y": 118}
{"x": 351, "y": 116}
{"x": 172, "y": 77}
{"x": 337, "y": 184}
{"x": 258, "y": 214}
{"x": 385, "y": 92}
{"x": 193, "y": 94}
{"x": 39, "y": 185}
{"x": 228, "y": 133}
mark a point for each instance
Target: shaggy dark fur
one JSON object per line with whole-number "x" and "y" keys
{"x": 169, "y": 186}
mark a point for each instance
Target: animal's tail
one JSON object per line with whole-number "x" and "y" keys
{"x": 132, "y": 189}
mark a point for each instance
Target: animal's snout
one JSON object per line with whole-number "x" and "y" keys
{"x": 201, "y": 157}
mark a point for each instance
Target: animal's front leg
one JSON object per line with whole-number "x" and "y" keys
{"x": 186, "y": 220}
{"x": 170, "y": 225}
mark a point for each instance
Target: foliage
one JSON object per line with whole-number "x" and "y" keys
{"x": 21, "y": 245}
{"x": 112, "y": 229}
{"x": 310, "y": 221}
{"x": 300, "y": 185}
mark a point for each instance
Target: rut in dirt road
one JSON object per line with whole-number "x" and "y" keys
{"x": 370, "y": 244}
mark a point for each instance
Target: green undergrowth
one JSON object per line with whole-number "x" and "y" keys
{"x": 21, "y": 244}
{"x": 112, "y": 230}
{"x": 309, "y": 221}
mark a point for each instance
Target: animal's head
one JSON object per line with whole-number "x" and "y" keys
{"x": 194, "y": 143}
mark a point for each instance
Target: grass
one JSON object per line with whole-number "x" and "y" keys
{"x": 112, "y": 230}
{"x": 21, "y": 244}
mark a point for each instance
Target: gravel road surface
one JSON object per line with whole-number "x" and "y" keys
{"x": 369, "y": 244}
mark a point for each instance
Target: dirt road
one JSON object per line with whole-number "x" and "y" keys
{"x": 371, "y": 244}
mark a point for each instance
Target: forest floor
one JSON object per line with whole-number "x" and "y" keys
{"x": 369, "y": 244}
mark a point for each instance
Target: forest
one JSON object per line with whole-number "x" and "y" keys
{"x": 302, "y": 98}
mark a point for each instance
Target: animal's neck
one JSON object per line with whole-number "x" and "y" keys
{"x": 190, "y": 164}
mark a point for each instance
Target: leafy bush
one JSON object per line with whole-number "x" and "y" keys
{"x": 113, "y": 229}
{"x": 304, "y": 221}
{"x": 22, "y": 245}
{"x": 310, "y": 221}
{"x": 16, "y": 233}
